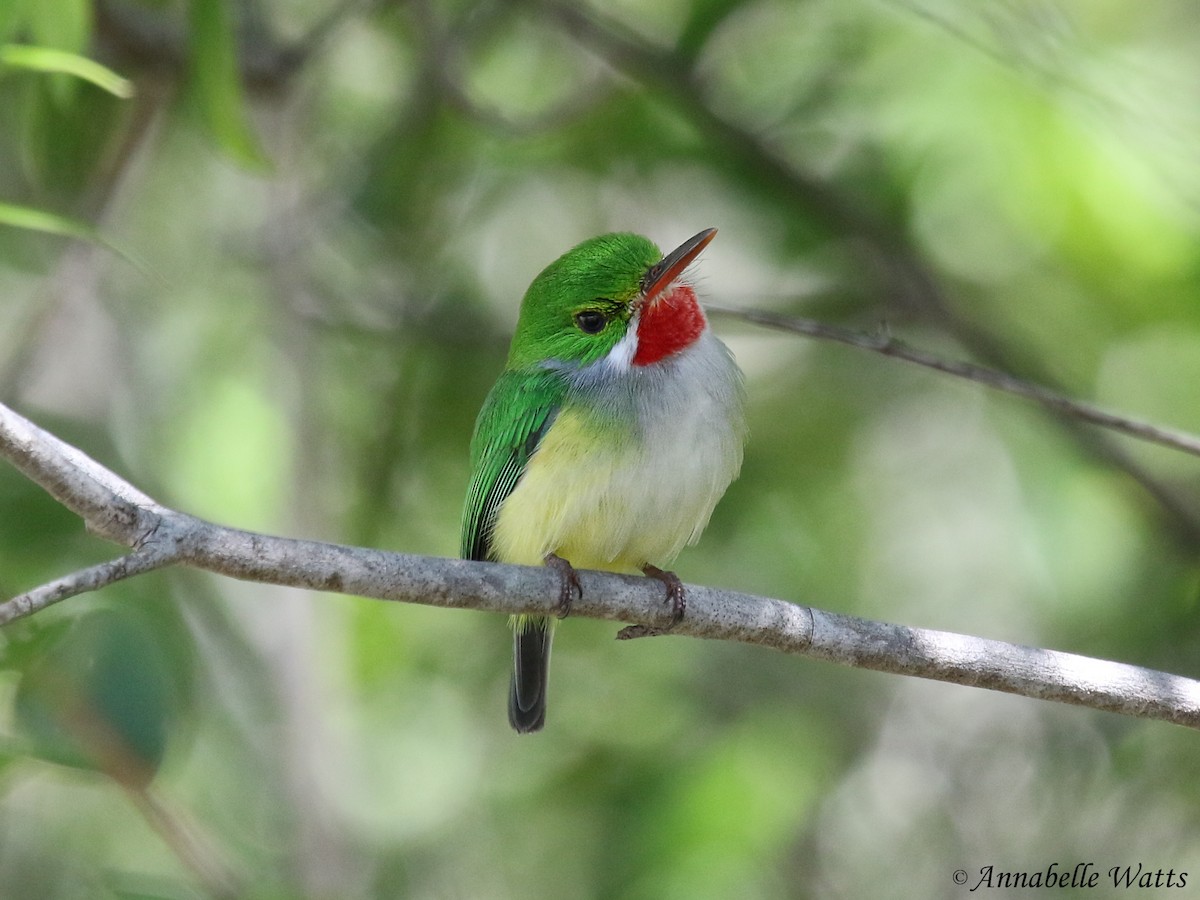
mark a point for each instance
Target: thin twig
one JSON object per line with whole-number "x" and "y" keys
{"x": 712, "y": 613}
{"x": 883, "y": 343}
{"x": 144, "y": 559}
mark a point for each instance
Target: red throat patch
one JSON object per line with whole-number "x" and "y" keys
{"x": 670, "y": 322}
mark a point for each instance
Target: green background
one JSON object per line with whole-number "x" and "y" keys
{"x": 318, "y": 220}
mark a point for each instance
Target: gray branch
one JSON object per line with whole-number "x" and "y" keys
{"x": 886, "y": 345}
{"x": 160, "y": 536}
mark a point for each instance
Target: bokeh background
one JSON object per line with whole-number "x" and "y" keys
{"x": 313, "y": 222}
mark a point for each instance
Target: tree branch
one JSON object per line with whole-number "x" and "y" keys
{"x": 143, "y": 560}
{"x": 886, "y": 345}
{"x": 108, "y": 505}
{"x": 160, "y": 536}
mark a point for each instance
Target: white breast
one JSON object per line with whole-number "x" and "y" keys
{"x": 630, "y": 471}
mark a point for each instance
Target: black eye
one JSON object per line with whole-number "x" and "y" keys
{"x": 591, "y": 321}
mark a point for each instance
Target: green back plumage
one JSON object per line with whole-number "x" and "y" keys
{"x": 514, "y": 417}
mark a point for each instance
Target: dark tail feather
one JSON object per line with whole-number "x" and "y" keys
{"x": 531, "y": 670}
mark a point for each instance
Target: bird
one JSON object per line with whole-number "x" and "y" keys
{"x": 606, "y": 442}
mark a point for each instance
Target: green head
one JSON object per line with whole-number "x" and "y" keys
{"x": 582, "y": 304}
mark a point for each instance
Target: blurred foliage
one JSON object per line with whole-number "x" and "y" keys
{"x": 337, "y": 206}
{"x": 94, "y": 694}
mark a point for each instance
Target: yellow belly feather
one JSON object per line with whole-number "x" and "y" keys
{"x": 604, "y": 497}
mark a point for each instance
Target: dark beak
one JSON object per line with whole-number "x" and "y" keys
{"x": 672, "y": 265}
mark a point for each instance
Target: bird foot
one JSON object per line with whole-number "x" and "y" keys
{"x": 632, "y": 632}
{"x": 569, "y": 584}
{"x": 675, "y": 594}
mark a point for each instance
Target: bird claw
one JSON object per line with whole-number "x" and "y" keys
{"x": 675, "y": 593}
{"x": 569, "y": 584}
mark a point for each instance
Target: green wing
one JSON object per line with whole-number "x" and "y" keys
{"x": 516, "y": 414}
